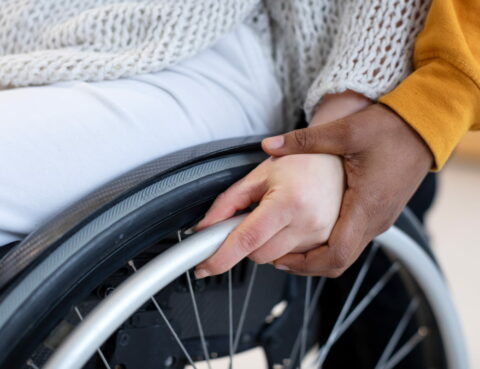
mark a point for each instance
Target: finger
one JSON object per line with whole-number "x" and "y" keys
{"x": 331, "y": 138}
{"x": 277, "y": 246}
{"x": 331, "y": 274}
{"x": 348, "y": 239}
{"x": 311, "y": 263}
{"x": 238, "y": 196}
{"x": 256, "y": 229}
{"x": 314, "y": 262}
{"x": 288, "y": 240}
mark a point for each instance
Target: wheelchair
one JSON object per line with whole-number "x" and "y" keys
{"x": 108, "y": 284}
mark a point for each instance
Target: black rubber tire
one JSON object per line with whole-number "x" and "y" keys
{"x": 33, "y": 303}
{"x": 23, "y": 305}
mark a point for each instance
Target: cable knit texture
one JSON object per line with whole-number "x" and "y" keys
{"x": 316, "y": 46}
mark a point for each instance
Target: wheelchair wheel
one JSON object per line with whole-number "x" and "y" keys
{"x": 112, "y": 289}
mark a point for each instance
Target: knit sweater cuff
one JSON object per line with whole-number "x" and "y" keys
{"x": 440, "y": 103}
{"x": 372, "y": 51}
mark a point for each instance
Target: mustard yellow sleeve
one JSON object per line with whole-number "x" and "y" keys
{"x": 441, "y": 98}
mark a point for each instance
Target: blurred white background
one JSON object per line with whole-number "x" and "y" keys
{"x": 454, "y": 226}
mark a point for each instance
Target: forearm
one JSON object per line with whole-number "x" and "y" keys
{"x": 441, "y": 99}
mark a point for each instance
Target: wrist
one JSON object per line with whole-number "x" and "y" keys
{"x": 336, "y": 106}
{"x": 419, "y": 146}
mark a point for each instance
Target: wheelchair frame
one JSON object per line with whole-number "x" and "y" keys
{"x": 41, "y": 246}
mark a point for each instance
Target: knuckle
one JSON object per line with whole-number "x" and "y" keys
{"x": 349, "y": 136}
{"x": 247, "y": 241}
{"x": 319, "y": 225}
{"x": 300, "y": 266}
{"x": 303, "y": 266}
{"x": 258, "y": 258}
{"x": 303, "y": 139}
{"x": 299, "y": 200}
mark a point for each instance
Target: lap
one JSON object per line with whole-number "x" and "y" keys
{"x": 61, "y": 141}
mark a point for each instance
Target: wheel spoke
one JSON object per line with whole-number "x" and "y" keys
{"x": 348, "y": 303}
{"x": 170, "y": 327}
{"x": 346, "y": 317}
{"x": 366, "y": 300}
{"x": 246, "y": 302}
{"x": 31, "y": 364}
{"x": 199, "y": 322}
{"x": 402, "y": 325}
{"x": 230, "y": 318}
{"x": 311, "y": 309}
{"x": 196, "y": 312}
{"x": 99, "y": 350}
{"x": 407, "y": 348}
{"x": 303, "y": 344}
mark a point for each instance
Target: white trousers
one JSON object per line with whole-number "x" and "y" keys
{"x": 61, "y": 141}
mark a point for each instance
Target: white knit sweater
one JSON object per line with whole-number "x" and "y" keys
{"x": 317, "y": 46}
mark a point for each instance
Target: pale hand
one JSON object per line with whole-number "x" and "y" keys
{"x": 299, "y": 195}
{"x": 299, "y": 199}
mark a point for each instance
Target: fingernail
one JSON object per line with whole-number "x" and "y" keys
{"x": 274, "y": 142}
{"x": 201, "y": 273}
{"x": 282, "y": 267}
{"x": 197, "y": 226}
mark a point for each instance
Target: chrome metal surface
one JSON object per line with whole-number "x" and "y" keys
{"x": 117, "y": 307}
{"x": 133, "y": 293}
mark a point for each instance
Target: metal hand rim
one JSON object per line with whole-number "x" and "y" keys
{"x": 172, "y": 263}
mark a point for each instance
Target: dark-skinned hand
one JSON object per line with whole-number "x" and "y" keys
{"x": 384, "y": 159}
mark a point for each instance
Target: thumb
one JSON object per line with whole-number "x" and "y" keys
{"x": 331, "y": 138}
